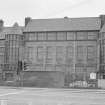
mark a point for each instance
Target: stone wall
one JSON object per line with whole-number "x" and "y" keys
{"x": 43, "y": 78}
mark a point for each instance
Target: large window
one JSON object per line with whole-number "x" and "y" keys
{"x": 1, "y": 59}
{"x": 79, "y": 70}
{"x": 61, "y": 35}
{"x": 92, "y": 35}
{"x": 80, "y": 52}
{"x": 41, "y": 36}
{"x": 91, "y": 54}
{"x": 69, "y": 55}
{"x": 32, "y": 36}
{"x": 49, "y": 54}
{"x": 2, "y": 49}
{"x": 81, "y": 35}
{"x": 60, "y": 54}
{"x": 26, "y": 36}
{"x": 51, "y": 35}
{"x": 40, "y": 52}
{"x": 103, "y": 42}
{"x": 30, "y": 54}
{"x": 2, "y": 43}
{"x": 70, "y": 35}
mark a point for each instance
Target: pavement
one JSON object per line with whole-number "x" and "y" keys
{"x": 51, "y": 96}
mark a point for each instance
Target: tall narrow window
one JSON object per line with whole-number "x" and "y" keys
{"x": 69, "y": 55}
{"x": 91, "y": 54}
{"x": 80, "y": 51}
{"x": 59, "y": 54}
{"x": 80, "y": 54}
{"x": 40, "y": 52}
{"x": 49, "y": 52}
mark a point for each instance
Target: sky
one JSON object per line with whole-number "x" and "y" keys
{"x": 12, "y": 11}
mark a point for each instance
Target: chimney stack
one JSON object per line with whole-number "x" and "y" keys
{"x": 102, "y": 17}
{"x": 27, "y": 19}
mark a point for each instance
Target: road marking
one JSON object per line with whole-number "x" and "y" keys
{"x": 11, "y": 93}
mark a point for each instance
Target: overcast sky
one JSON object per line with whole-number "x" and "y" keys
{"x": 16, "y": 10}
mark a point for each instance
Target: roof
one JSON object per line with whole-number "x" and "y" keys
{"x": 13, "y": 30}
{"x": 63, "y": 24}
{"x": 2, "y": 32}
{"x": 17, "y": 30}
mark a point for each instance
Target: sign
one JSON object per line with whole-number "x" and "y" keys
{"x": 92, "y": 75}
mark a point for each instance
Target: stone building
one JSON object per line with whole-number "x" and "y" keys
{"x": 2, "y": 47}
{"x": 70, "y": 45}
{"x": 13, "y": 41}
{"x": 102, "y": 50}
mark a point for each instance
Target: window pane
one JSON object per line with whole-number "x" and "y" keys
{"x": 40, "y": 53}
{"x": 32, "y": 36}
{"x": 91, "y": 54}
{"x": 79, "y": 69}
{"x": 49, "y": 54}
{"x": 41, "y": 36}
{"x": 2, "y": 49}
{"x": 60, "y": 54}
{"x": 92, "y": 35}
{"x": 51, "y": 36}
{"x": 69, "y": 55}
{"x": 70, "y": 35}
{"x": 80, "y": 54}
{"x": 81, "y": 35}
{"x": 61, "y": 35}
{"x": 26, "y": 36}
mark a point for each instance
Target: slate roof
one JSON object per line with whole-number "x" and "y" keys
{"x": 18, "y": 30}
{"x": 63, "y": 24}
{"x": 13, "y": 30}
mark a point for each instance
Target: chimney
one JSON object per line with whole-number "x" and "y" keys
{"x": 102, "y": 17}
{"x": 27, "y": 19}
{"x": 1, "y": 24}
{"x": 65, "y": 17}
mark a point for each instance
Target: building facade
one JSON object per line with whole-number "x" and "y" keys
{"x": 69, "y": 45}
{"x": 55, "y": 47}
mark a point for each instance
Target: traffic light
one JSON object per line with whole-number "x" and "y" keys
{"x": 20, "y": 67}
{"x": 25, "y": 66}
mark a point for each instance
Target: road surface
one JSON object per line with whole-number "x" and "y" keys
{"x": 44, "y": 96}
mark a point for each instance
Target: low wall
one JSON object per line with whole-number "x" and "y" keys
{"x": 101, "y": 83}
{"x": 43, "y": 78}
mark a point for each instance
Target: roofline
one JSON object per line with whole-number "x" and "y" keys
{"x": 62, "y": 18}
{"x": 61, "y": 31}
